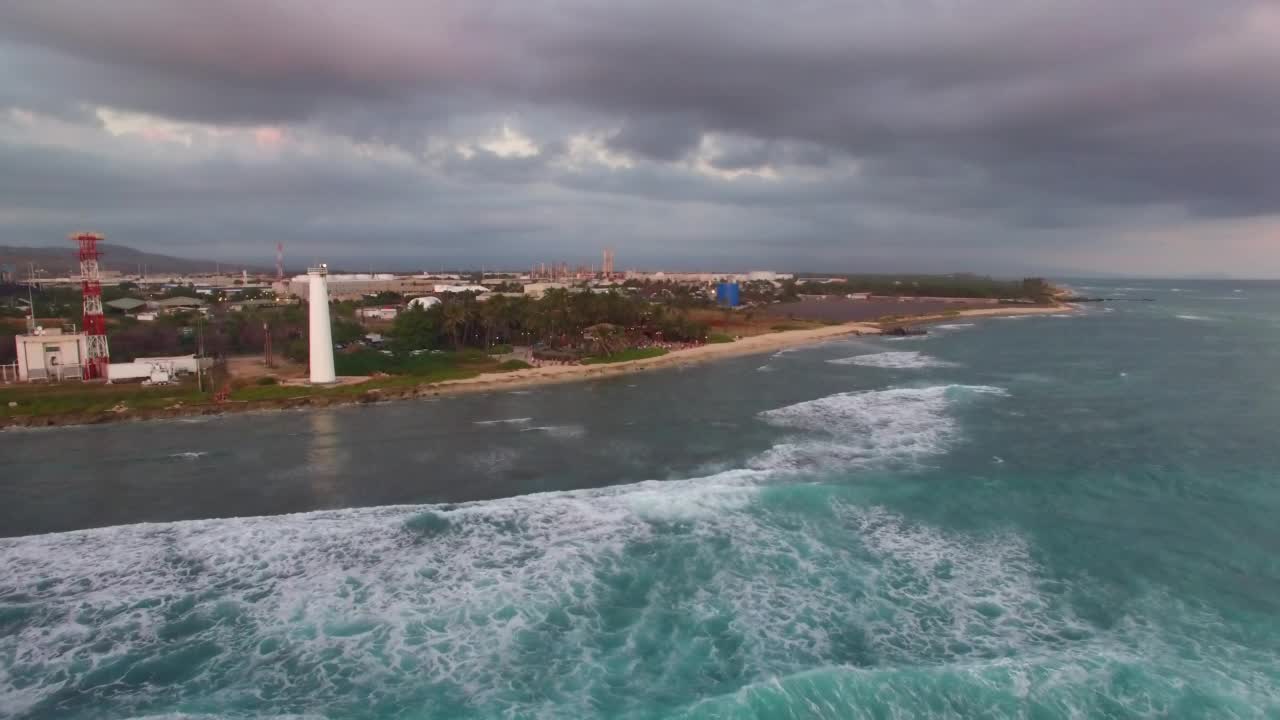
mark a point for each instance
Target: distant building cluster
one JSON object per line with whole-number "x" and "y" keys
{"x": 58, "y": 354}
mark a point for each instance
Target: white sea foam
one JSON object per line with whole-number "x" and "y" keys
{"x": 906, "y": 360}
{"x": 189, "y": 455}
{"x": 1198, "y": 318}
{"x": 507, "y": 421}
{"x": 559, "y": 431}
{"x": 953, "y": 326}
{"x": 765, "y": 368}
{"x": 468, "y": 598}
{"x": 848, "y": 430}
{"x": 986, "y": 590}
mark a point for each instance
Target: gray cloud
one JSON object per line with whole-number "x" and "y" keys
{"x": 967, "y": 124}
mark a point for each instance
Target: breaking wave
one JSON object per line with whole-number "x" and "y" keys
{"x": 889, "y": 428}
{"x": 622, "y": 602}
{"x": 906, "y": 360}
{"x": 753, "y": 592}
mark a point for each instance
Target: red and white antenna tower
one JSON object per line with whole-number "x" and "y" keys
{"x": 95, "y": 325}
{"x": 279, "y": 262}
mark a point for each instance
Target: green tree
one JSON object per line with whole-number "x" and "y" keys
{"x": 453, "y": 321}
{"x": 417, "y": 329}
{"x": 346, "y": 331}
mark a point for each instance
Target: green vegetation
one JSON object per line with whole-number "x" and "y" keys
{"x": 503, "y": 349}
{"x": 73, "y": 397}
{"x": 719, "y": 338}
{"x": 959, "y": 286}
{"x": 513, "y": 364}
{"x": 558, "y": 320}
{"x": 626, "y": 355}
{"x": 420, "y": 365}
{"x": 784, "y": 327}
{"x": 289, "y": 392}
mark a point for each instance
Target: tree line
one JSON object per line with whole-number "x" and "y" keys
{"x": 955, "y": 286}
{"x": 560, "y": 319}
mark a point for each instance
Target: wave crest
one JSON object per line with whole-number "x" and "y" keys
{"x": 903, "y": 360}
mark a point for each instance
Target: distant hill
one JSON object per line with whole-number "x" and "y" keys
{"x": 62, "y": 260}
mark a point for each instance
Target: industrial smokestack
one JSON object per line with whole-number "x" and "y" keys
{"x": 321, "y": 334}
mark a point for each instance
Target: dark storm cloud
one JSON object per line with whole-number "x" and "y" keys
{"x": 667, "y": 137}
{"x": 1037, "y": 114}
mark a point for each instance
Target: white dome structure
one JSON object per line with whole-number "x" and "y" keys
{"x": 426, "y": 302}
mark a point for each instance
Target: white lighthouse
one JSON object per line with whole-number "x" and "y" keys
{"x": 321, "y": 334}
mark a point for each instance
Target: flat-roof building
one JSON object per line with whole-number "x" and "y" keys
{"x": 50, "y": 354}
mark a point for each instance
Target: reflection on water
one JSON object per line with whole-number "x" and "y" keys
{"x": 327, "y": 459}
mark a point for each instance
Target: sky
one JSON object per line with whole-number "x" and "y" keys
{"x": 1000, "y": 136}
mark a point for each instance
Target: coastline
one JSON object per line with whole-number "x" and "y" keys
{"x": 532, "y": 377}
{"x": 751, "y": 345}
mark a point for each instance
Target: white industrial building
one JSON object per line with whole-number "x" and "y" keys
{"x": 154, "y": 370}
{"x": 450, "y": 288}
{"x": 50, "y": 354}
{"x": 388, "y": 312}
{"x": 537, "y": 290}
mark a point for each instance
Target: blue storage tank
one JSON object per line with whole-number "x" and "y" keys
{"x": 727, "y": 294}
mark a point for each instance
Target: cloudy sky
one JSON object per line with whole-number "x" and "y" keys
{"x": 1006, "y": 136}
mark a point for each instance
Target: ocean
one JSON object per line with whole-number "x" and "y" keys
{"x": 1060, "y": 516}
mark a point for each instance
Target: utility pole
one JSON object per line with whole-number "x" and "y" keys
{"x": 266, "y": 344}
{"x": 31, "y": 299}
{"x": 199, "y": 351}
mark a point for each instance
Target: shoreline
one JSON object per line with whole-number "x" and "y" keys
{"x": 531, "y": 377}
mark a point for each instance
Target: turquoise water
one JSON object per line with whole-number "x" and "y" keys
{"x": 1027, "y": 518}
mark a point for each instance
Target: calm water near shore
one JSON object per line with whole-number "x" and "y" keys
{"x": 1045, "y": 516}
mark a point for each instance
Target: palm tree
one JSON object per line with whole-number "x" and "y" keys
{"x": 605, "y": 336}
{"x": 492, "y": 313}
{"x": 454, "y": 321}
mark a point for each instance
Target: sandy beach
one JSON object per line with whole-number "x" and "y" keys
{"x": 756, "y": 344}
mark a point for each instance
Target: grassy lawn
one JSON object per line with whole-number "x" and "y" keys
{"x": 397, "y": 371}
{"x": 66, "y": 398}
{"x": 287, "y": 392}
{"x": 625, "y": 355}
